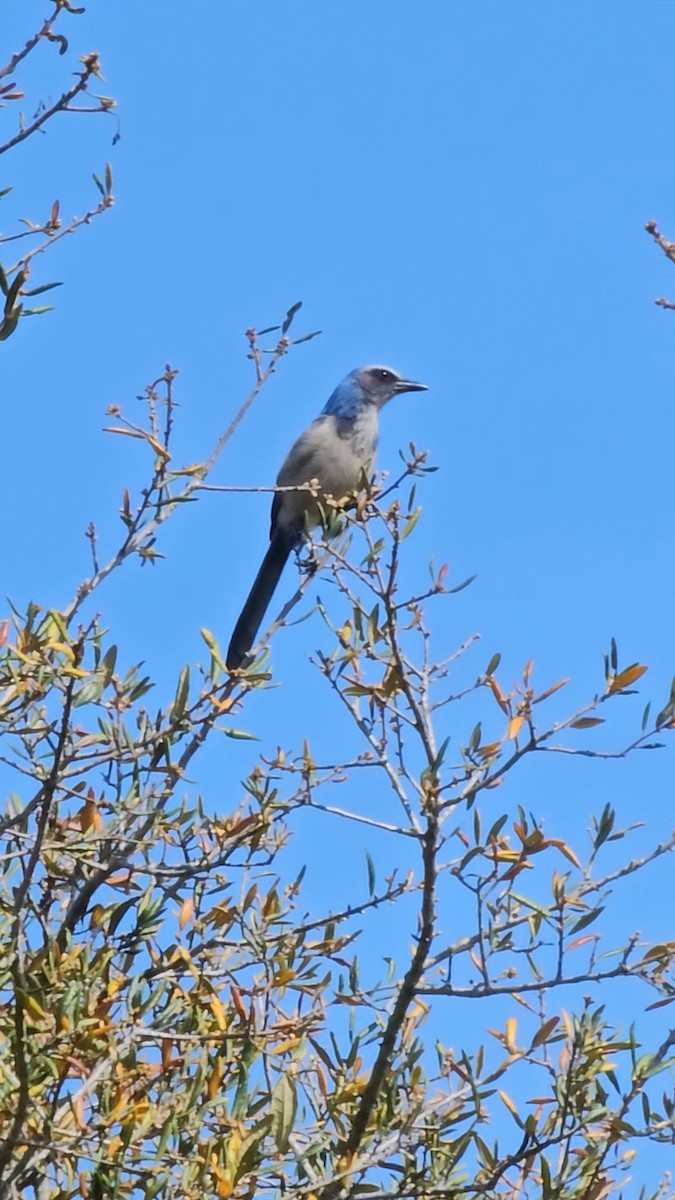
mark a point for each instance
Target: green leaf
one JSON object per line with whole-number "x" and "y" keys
{"x": 14, "y": 289}
{"x": 438, "y": 761}
{"x": 306, "y": 337}
{"x": 37, "y": 312}
{"x": 371, "y": 874}
{"x": 295, "y": 308}
{"x": 213, "y": 647}
{"x": 119, "y": 914}
{"x": 107, "y": 665}
{"x": 91, "y": 690}
{"x": 587, "y": 919}
{"x": 182, "y": 693}
{"x": 45, "y": 287}
{"x": 10, "y": 323}
{"x": 283, "y": 1107}
{"x": 374, "y": 626}
{"x": 238, "y": 734}
{"x": 460, "y": 586}
{"x": 411, "y": 523}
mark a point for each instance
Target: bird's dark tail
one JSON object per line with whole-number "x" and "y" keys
{"x": 250, "y": 618}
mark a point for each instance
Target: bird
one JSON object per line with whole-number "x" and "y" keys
{"x": 334, "y": 449}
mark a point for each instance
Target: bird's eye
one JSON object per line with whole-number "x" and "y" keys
{"x": 385, "y": 374}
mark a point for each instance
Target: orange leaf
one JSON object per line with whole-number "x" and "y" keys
{"x": 514, "y": 871}
{"x": 544, "y": 1031}
{"x": 497, "y": 693}
{"x": 186, "y": 910}
{"x": 625, "y": 678}
{"x": 238, "y": 1002}
{"x": 514, "y": 727}
{"x": 90, "y": 817}
{"x": 549, "y": 691}
{"x": 581, "y": 941}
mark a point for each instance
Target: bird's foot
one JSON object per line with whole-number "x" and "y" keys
{"x": 308, "y": 563}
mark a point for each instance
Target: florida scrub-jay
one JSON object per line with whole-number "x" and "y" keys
{"x": 335, "y": 449}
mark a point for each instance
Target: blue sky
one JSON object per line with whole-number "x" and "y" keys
{"x": 457, "y": 189}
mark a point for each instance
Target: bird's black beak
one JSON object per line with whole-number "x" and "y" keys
{"x": 408, "y": 385}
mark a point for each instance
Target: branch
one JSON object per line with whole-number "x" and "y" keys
{"x": 408, "y": 989}
{"x": 509, "y": 989}
{"x": 91, "y": 67}
{"x": 14, "y": 1135}
{"x": 32, "y": 42}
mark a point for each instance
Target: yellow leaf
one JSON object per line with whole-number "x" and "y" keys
{"x": 289, "y": 1044}
{"x": 144, "y": 436}
{"x": 564, "y": 849}
{"x": 505, "y": 1099}
{"x": 213, "y": 1082}
{"x": 284, "y": 976}
{"x": 59, "y": 647}
{"x": 511, "y": 1028}
{"x": 233, "y": 1150}
{"x": 567, "y": 1022}
{"x": 344, "y": 633}
{"x": 489, "y": 750}
{"x": 219, "y": 1013}
{"x": 30, "y": 1005}
{"x": 77, "y": 1108}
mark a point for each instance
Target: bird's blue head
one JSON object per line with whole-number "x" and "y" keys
{"x": 368, "y": 386}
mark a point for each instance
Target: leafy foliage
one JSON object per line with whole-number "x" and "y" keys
{"x": 176, "y": 1021}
